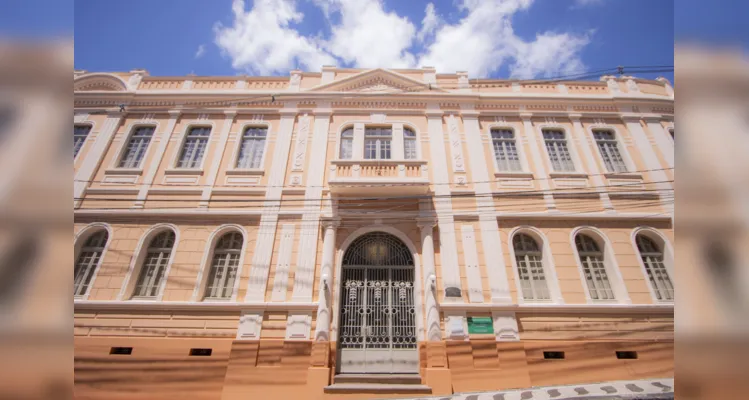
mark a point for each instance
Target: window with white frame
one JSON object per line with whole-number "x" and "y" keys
{"x": 194, "y": 147}
{"x": 529, "y": 260}
{"x": 80, "y": 133}
{"x": 136, "y": 147}
{"x": 409, "y": 144}
{"x": 652, "y": 258}
{"x": 505, "y": 150}
{"x": 347, "y": 144}
{"x": 154, "y": 265}
{"x": 87, "y": 262}
{"x": 594, "y": 268}
{"x": 377, "y": 142}
{"x": 224, "y": 265}
{"x": 608, "y": 146}
{"x": 559, "y": 154}
{"x": 252, "y": 147}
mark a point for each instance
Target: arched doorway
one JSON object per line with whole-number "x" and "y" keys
{"x": 377, "y": 317}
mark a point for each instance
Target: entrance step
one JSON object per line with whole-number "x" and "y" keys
{"x": 403, "y": 379}
{"x": 377, "y": 388}
{"x": 377, "y": 383}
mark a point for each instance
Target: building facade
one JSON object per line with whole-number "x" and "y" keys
{"x": 300, "y": 236}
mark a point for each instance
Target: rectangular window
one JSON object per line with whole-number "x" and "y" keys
{"x": 626, "y": 355}
{"x": 505, "y": 151}
{"x": 201, "y": 352}
{"x": 559, "y": 155}
{"x": 409, "y": 144}
{"x": 609, "y": 149}
{"x": 194, "y": 147}
{"x": 377, "y": 143}
{"x": 126, "y": 351}
{"x": 532, "y": 278}
{"x": 252, "y": 148}
{"x": 553, "y": 355}
{"x": 136, "y": 147}
{"x": 596, "y": 277}
{"x": 80, "y": 133}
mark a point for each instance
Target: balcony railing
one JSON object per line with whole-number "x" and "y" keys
{"x": 372, "y": 176}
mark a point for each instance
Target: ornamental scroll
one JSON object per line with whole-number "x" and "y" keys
{"x": 300, "y": 149}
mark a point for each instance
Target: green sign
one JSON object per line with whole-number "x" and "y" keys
{"x": 480, "y": 325}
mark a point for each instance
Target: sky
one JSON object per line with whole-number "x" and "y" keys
{"x": 488, "y": 38}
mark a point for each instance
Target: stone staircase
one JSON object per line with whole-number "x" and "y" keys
{"x": 378, "y": 383}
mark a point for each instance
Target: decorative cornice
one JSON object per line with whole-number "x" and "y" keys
{"x": 133, "y": 305}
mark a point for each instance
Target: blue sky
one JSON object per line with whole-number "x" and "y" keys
{"x": 498, "y": 38}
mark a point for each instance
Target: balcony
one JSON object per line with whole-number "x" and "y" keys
{"x": 372, "y": 177}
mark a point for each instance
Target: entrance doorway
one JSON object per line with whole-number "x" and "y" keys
{"x": 377, "y": 318}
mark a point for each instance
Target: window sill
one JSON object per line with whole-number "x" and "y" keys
{"x": 145, "y": 298}
{"x": 368, "y": 161}
{"x": 571, "y": 174}
{"x": 623, "y": 175}
{"x": 124, "y": 171}
{"x": 514, "y": 174}
{"x": 247, "y": 171}
{"x": 183, "y": 171}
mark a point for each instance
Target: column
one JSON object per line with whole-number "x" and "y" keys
{"x": 662, "y": 139}
{"x": 322, "y": 329}
{"x": 95, "y": 156}
{"x": 218, "y": 152}
{"x": 160, "y": 151}
{"x": 433, "y": 332}
{"x": 656, "y": 174}
{"x": 538, "y": 162}
{"x": 269, "y": 217}
{"x": 582, "y": 139}
{"x": 305, "y": 264}
{"x": 443, "y": 206}
{"x": 499, "y": 285}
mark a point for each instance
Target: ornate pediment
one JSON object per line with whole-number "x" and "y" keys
{"x": 376, "y": 81}
{"x": 99, "y": 82}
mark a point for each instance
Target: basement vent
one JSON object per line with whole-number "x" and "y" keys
{"x": 121, "y": 350}
{"x": 626, "y": 355}
{"x": 201, "y": 352}
{"x": 553, "y": 355}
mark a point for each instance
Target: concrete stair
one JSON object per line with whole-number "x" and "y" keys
{"x": 377, "y": 383}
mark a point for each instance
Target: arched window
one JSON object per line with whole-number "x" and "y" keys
{"x": 609, "y": 149}
{"x": 347, "y": 144}
{"x": 652, "y": 259}
{"x": 80, "y": 133}
{"x": 530, "y": 268}
{"x": 377, "y": 143}
{"x": 194, "y": 147}
{"x": 87, "y": 262}
{"x": 252, "y": 147}
{"x": 154, "y": 265}
{"x": 559, "y": 154}
{"x": 136, "y": 147}
{"x": 224, "y": 266}
{"x": 594, "y": 268}
{"x": 505, "y": 151}
{"x": 409, "y": 144}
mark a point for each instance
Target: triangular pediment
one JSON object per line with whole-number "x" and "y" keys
{"x": 376, "y": 81}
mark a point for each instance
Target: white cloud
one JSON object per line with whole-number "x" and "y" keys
{"x": 200, "y": 52}
{"x": 364, "y": 34}
{"x": 368, "y": 36}
{"x": 548, "y": 56}
{"x": 585, "y": 3}
{"x": 429, "y": 24}
{"x": 261, "y": 41}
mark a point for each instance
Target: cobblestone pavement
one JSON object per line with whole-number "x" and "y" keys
{"x": 646, "y": 389}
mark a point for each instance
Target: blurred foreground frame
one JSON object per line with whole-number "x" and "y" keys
{"x": 36, "y": 250}
{"x": 712, "y": 220}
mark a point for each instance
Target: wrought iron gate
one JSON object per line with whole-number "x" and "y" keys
{"x": 377, "y": 316}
